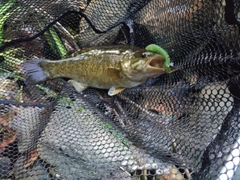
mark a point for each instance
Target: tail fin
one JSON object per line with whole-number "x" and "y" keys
{"x": 33, "y": 73}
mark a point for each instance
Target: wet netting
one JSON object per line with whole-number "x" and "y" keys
{"x": 179, "y": 125}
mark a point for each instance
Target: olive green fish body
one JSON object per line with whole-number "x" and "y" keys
{"x": 115, "y": 68}
{"x": 87, "y": 70}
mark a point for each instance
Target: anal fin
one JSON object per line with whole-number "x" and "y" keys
{"x": 115, "y": 90}
{"x": 78, "y": 86}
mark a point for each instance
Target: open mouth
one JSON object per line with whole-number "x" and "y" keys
{"x": 156, "y": 62}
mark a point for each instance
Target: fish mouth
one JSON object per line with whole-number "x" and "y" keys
{"x": 156, "y": 63}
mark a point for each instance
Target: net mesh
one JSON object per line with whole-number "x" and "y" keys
{"x": 182, "y": 125}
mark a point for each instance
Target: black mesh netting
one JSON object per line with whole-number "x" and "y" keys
{"x": 182, "y": 125}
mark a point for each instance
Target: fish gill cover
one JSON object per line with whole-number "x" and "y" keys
{"x": 179, "y": 125}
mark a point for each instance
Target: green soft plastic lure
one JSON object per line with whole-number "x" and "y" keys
{"x": 158, "y": 50}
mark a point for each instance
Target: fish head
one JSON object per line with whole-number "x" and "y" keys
{"x": 141, "y": 65}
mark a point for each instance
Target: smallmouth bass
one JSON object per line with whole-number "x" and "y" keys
{"x": 105, "y": 67}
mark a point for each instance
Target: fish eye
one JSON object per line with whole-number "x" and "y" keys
{"x": 144, "y": 55}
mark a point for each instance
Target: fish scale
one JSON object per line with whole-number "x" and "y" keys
{"x": 104, "y": 67}
{"x": 76, "y": 69}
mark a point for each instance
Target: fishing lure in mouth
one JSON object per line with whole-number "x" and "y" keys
{"x": 105, "y": 67}
{"x": 158, "y": 50}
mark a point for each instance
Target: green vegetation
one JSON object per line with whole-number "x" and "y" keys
{"x": 115, "y": 134}
{"x": 6, "y": 10}
{"x": 16, "y": 76}
{"x": 2, "y": 21}
{"x": 81, "y": 109}
{"x": 65, "y": 101}
{"x": 72, "y": 32}
{"x": 10, "y": 59}
{"x": 47, "y": 91}
{"x": 55, "y": 42}
{"x": 19, "y": 95}
{"x": 4, "y": 15}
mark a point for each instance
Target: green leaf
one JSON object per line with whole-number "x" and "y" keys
{"x": 108, "y": 126}
{"x": 158, "y": 50}
{"x": 15, "y": 76}
{"x": 81, "y": 109}
{"x": 126, "y": 144}
{"x": 4, "y": 15}
{"x": 4, "y": 8}
{"x": 65, "y": 100}
{"x": 116, "y": 134}
{"x": 61, "y": 48}
{"x": 10, "y": 62}
{"x": 47, "y": 91}
{"x": 72, "y": 32}
{"x": 19, "y": 95}
{"x": 2, "y": 21}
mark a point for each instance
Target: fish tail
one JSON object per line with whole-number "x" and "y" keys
{"x": 32, "y": 71}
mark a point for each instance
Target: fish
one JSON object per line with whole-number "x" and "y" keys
{"x": 114, "y": 68}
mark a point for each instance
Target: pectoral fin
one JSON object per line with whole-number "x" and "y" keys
{"x": 115, "y": 90}
{"x": 78, "y": 86}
